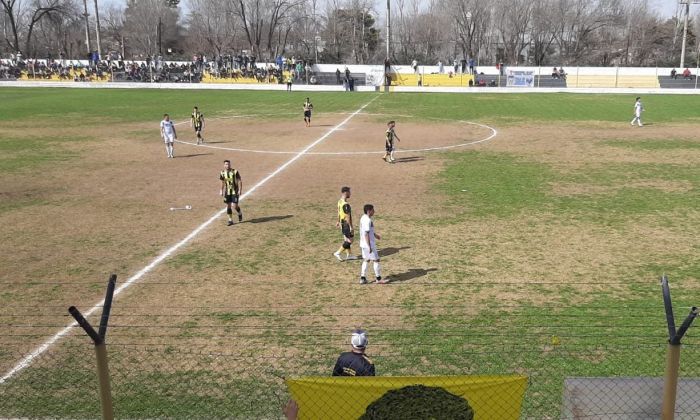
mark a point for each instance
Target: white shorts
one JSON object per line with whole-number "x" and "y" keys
{"x": 367, "y": 255}
{"x": 169, "y": 138}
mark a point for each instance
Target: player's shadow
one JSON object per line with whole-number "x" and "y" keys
{"x": 412, "y": 273}
{"x": 322, "y": 125}
{"x": 268, "y": 219}
{"x": 216, "y": 142}
{"x": 385, "y": 252}
{"x": 192, "y": 155}
{"x": 408, "y": 159}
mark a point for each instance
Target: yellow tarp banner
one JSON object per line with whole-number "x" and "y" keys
{"x": 491, "y": 397}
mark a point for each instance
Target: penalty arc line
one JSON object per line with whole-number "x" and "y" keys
{"x": 29, "y": 359}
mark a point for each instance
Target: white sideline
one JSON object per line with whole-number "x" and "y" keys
{"x": 27, "y": 360}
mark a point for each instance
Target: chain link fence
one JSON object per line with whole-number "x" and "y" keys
{"x": 587, "y": 361}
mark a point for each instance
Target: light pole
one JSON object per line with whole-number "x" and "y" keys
{"x": 97, "y": 30}
{"x": 685, "y": 27}
{"x": 388, "y": 29}
{"x": 87, "y": 28}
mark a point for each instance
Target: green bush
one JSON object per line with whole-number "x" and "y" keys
{"x": 418, "y": 402}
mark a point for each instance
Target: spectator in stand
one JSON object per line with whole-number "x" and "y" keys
{"x": 347, "y": 73}
{"x": 562, "y": 73}
{"x": 441, "y": 68}
{"x": 674, "y": 74}
{"x": 686, "y": 74}
{"x": 555, "y": 73}
{"x": 414, "y": 66}
{"x": 456, "y": 65}
{"x": 337, "y": 76}
{"x": 471, "y": 66}
{"x": 463, "y": 63}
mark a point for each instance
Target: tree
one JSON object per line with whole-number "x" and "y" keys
{"x": 21, "y": 23}
{"x": 213, "y": 27}
{"x": 141, "y": 20}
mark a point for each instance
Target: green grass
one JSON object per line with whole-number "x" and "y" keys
{"x": 22, "y": 154}
{"x": 74, "y": 107}
{"x": 501, "y": 185}
{"x": 655, "y": 144}
{"x": 526, "y": 108}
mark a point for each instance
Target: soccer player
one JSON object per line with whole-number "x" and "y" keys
{"x": 231, "y": 189}
{"x": 368, "y": 245}
{"x": 197, "y": 122}
{"x": 344, "y": 222}
{"x": 390, "y": 136}
{"x": 638, "y": 109}
{"x": 169, "y": 135}
{"x": 308, "y": 107}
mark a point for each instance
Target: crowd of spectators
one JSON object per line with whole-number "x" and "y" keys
{"x": 112, "y": 68}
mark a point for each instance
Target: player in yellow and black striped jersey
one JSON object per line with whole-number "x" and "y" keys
{"x": 197, "y": 122}
{"x": 344, "y": 222}
{"x": 231, "y": 189}
{"x": 390, "y": 137}
{"x": 308, "y": 107}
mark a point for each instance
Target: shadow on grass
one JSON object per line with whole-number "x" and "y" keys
{"x": 192, "y": 155}
{"x": 268, "y": 219}
{"x": 409, "y": 159}
{"x": 385, "y": 252}
{"x": 412, "y": 273}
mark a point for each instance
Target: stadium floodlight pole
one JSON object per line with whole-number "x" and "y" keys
{"x": 98, "y": 339}
{"x": 388, "y": 29}
{"x": 673, "y": 356}
{"x": 87, "y": 27}
{"x": 685, "y": 28}
{"x": 97, "y": 30}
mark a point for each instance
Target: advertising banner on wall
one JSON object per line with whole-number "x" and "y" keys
{"x": 520, "y": 78}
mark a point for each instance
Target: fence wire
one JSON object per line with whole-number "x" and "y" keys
{"x": 232, "y": 362}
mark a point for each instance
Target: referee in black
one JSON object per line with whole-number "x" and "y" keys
{"x": 355, "y": 362}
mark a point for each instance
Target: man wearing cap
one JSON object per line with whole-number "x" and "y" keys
{"x": 355, "y": 362}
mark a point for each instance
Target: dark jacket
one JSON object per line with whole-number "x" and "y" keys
{"x": 353, "y": 364}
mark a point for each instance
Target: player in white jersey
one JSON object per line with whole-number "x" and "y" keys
{"x": 169, "y": 135}
{"x": 368, "y": 245}
{"x": 638, "y": 109}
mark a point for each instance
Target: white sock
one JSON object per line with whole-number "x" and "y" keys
{"x": 363, "y": 272}
{"x": 392, "y": 155}
{"x": 167, "y": 149}
{"x": 377, "y": 269}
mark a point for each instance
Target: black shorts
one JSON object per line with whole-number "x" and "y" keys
{"x": 231, "y": 199}
{"x": 197, "y": 128}
{"x": 346, "y": 230}
{"x": 307, "y": 114}
{"x": 389, "y": 147}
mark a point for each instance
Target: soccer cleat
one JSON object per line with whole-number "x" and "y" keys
{"x": 240, "y": 217}
{"x": 337, "y": 255}
{"x": 230, "y": 223}
{"x": 363, "y": 280}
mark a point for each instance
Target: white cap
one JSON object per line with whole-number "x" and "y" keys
{"x": 359, "y": 339}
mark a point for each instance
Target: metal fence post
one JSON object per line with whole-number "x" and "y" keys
{"x": 100, "y": 348}
{"x": 673, "y": 356}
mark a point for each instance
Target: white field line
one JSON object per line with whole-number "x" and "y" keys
{"x": 493, "y": 134}
{"x": 29, "y": 359}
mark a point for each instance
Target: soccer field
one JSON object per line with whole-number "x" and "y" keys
{"x": 521, "y": 234}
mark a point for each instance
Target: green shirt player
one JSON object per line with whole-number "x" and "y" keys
{"x": 231, "y": 189}
{"x": 344, "y": 222}
{"x": 197, "y": 122}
